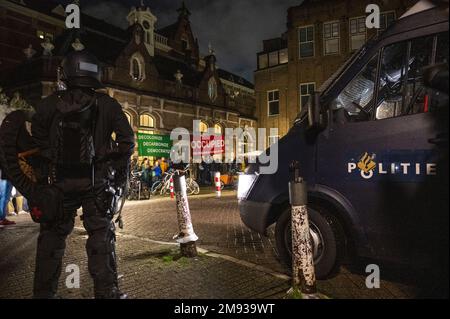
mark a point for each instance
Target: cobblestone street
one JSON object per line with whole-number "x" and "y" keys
{"x": 233, "y": 262}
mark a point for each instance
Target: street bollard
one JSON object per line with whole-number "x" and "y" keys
{"x": 172, "y": 194}
{"x": 217, "y": 184}
{"x": 303, "y": 274}
{"x": 186, "y": 236}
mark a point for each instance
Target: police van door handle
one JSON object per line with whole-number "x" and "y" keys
{"x": 440, "y": 139}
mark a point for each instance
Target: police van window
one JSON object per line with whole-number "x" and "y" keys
{"x": 416, "y": 96}
{"x": 442, "y": 48}
{"x": 357, "y": 96}
{"x": 392, "y": 75}
{"x": 401, "y": 90}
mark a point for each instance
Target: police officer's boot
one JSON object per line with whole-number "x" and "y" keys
{"x": 102, "y": 265}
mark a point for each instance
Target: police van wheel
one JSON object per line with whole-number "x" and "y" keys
{"x": 326, "y": 236}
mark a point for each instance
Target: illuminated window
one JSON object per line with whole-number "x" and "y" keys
{"x": 218, "y": 129}
{"x": 203, "y": 128}
{"x": 284, "y": 56}
{"x": 146, "y": 121}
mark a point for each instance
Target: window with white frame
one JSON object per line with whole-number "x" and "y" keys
{"x": 386, "y": 19}
{"x": 306, "y": 90}
{"x": 306, "y": 41}
{"x": 357, "y": 32}
{"x": 331, "y": 37}
{"x": 273, "y": 102}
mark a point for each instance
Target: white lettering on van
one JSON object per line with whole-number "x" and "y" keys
{"x": 351, "y": 167}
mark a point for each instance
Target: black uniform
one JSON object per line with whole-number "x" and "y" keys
{"x": 81, "y": 189}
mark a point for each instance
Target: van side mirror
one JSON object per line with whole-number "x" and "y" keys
{"x": 436, "y": 77}
{"x": 315, "y": 118}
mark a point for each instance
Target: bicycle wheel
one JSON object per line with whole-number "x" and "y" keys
{"x": 165, "y": 189}
{"x": 155, "y": 187}
{"x": 196, "y": 187}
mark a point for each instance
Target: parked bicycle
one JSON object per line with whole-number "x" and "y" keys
{"x": 137, "y": 189}
{"x": 192, "y": 187}
{"x": 159, "y": 184}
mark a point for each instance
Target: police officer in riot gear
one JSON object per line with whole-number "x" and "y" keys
{"x": 73, "y": 130}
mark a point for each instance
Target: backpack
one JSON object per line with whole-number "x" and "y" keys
{"x": 73, "y": 136}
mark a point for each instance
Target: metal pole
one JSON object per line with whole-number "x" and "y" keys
{"x": 186, "y": 236}
{"x": 304, "y": 278}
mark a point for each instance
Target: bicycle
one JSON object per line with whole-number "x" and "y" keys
{"x": 159, "y": 184}
{"x": 192, "y": 187}
{"x": 137, "y": 189}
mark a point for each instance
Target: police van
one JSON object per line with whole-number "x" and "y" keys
{"x": 373, "y": 148}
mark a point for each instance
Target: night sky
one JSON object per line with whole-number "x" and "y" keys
{"x": 235, "y": 28}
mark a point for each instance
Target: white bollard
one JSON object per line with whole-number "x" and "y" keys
{"x": 186, "y": 236}
{"x": 217, "y": 184}
{"x": 172, "y": 193}
{"x": 303, "y": 273}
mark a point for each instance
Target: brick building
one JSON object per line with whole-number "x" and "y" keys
{"x": 158, "y": 75}
{"x": 321, "y": 35}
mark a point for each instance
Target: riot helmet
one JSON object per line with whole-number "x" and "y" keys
{"x": 81, "y": 69}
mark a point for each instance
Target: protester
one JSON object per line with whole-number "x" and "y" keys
{"x": 5, "y": 195}
{"x": 163, "y": 164}
{"x": 157, "y": 172}
{"x": 146, "y": 172}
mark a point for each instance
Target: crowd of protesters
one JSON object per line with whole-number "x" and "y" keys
{"x": 151, "y": 172}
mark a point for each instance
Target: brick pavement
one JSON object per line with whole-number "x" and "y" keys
{"x": 149, "y": 270}
{"x": 220, "y": 229}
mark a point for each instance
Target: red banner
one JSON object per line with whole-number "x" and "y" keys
{"x": 208, "y": 145}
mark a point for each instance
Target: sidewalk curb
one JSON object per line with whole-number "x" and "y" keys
{"x": 209, "y": 254}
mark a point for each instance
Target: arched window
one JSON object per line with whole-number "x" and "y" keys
{"x": 146, "y": 121}
{"x": 137, "y": 67}
{"x": 203, "y": 128}
{"x": 136, "y": 70}
{"x": 212, "y": 89}
{"x": 218, "y": 129}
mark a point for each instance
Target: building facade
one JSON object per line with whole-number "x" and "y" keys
{"x": 321, "y": 36}
{"x": 157, "y": 74}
